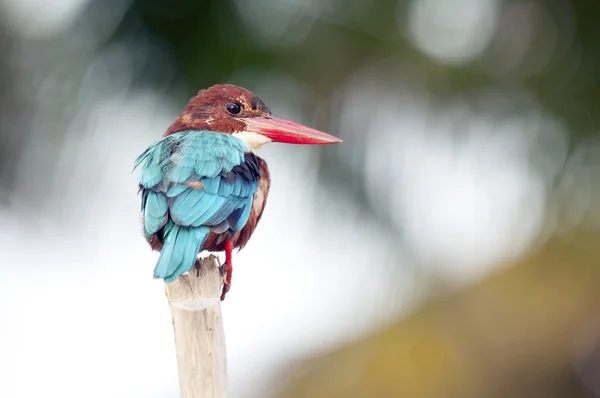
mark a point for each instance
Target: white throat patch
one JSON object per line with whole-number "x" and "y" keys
{"x": 253, "y": 140}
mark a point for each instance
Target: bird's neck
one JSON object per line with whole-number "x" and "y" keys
{"x": 184, "y": 122}
{"x": 254, "y": 141}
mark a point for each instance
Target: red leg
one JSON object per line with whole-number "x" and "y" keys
{"x": 227, "y": 268}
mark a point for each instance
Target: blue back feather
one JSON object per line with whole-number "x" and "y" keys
{"x": 186, "y": 215}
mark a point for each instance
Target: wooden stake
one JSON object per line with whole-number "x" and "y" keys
{"x": 199, "y": 335}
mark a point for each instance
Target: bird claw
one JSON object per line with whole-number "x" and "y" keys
{"x": 226, "y": 270}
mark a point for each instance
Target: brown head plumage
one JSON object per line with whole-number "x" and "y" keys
{"x": 222, "y": 108}
{"x": 230, "y": 109}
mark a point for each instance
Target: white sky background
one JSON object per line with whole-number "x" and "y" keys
{"x": 81, "y": 306}
{"x": 79, "y": 310}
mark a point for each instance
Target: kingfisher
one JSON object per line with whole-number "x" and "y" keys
{"x": 202, "y": 185}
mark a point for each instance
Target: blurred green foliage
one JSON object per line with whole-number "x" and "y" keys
{"x": 530, "y": 331}
{"x": 510, "y": 336}
{"x": 211, "y": 41}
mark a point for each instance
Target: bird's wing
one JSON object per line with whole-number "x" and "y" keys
{"x": 197, "y": 178}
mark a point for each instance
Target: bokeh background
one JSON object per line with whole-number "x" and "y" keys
{"x": 448, "y": 248}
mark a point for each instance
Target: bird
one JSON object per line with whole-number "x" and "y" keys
{"x": 203, "y": 187}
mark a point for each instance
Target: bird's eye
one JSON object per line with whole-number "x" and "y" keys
{"x": 234, "y": 108}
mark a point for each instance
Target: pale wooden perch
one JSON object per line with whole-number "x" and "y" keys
{"x": 199, "y": 336}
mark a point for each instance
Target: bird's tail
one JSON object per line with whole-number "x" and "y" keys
{"x": 180, "y": 249}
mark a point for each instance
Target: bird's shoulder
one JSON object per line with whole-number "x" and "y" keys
{"x": 192, "y": 155}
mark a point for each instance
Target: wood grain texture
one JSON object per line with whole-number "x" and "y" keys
{"x": 199, "y": 334}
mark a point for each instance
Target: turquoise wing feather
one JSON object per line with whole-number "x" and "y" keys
{"x": 180, "y": 210}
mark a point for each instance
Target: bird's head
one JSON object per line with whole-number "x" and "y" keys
{"x": 230, "y": 109}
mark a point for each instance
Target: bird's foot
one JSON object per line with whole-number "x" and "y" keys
{"x": 226, "y": 270}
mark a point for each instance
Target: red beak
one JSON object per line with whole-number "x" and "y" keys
{"x": 281, "y": 130}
